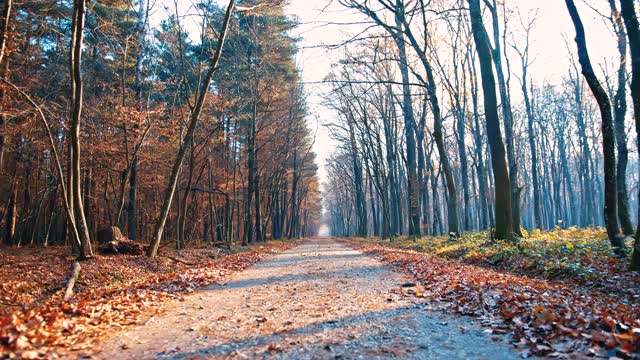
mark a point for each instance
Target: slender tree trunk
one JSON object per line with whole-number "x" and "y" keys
{"x": 12, "y": 214}
{"x": 630, "y": 18}
{"x": 4, "y": 36}
{"x": 143, "y": 16}
{"x": 294, "y": 196}
{"x": 507, "y": 115}
{"x": 619, "y": 115}
{"x": 480, "y": 169}
{"x": 587, "y": 194}
{"x": 608, "y": 136}
{"x": 4, "y": 30}
{"x": 74, "y": 128}
{"x": 464, "y": 167}
{"x": 184, "y": 202}
{"x": 535, "y": 176}
{"x": 413, "y": 189}
{"x": 258, "y": 209}
{"x": 361, "y": 209}
{"x": 503, "y": 209}
{"x": 424, "y": 192}
{"x": 193, "y": 121}
{"x": 567, "y": 176}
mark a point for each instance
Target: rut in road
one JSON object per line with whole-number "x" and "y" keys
{"x": 320, "y": 300}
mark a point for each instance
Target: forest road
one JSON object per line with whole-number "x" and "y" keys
{"x": 319, "y": 300}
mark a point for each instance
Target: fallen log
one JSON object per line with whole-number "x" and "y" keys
{"x": 121, "y": 247}
{"x": 75, "y": 273}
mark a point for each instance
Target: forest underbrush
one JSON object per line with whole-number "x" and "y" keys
{"x": 573, "y": 255}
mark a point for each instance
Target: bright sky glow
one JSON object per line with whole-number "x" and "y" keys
{"x": 325, "y": 22}
{"x": 321, "y": 24}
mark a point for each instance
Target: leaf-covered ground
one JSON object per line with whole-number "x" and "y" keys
{"x": 571, "y": 256}
{"x": 595, "y": 312}
{"x": 112, "y": 292}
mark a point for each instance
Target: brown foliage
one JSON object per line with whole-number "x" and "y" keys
{"x": 112, "y": 292}
{"x": 550, "y": 319}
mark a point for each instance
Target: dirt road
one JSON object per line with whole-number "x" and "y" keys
{"x": 320, "y": 300}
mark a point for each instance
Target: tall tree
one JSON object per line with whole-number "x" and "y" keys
{"x": 4, "y": 36}
{"x": 628, "y": 12}
{"x": 193, "y": 121}
{"x": 75, "y": 179}
{"x": 608, "y": 135}
{"x": 409, "y": 124}
{"x": 503, "y": 209}
{"x": 141, "y": 28}
{"x": 619, "y": 116}
{"x": 507, "y": 113}
{"x": 535, "y": 176}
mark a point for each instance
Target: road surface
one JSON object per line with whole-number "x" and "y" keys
{"x": 319, "y": 300}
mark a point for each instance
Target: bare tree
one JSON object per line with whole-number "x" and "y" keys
{"x": 608, "y": 136}
{"x": 628, "y": 12}
{"x": 503, "y": 209}
{"x": 74, "y": 127}
{"x": 619, "y": 115}
{"x": 524, "y": 61}
{"x": 507, "y": 113}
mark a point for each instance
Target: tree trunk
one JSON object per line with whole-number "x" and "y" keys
{"x": 4, "y": 36}
{"x": 413, "y": 190}
{"x": 480, "y": 168}
{"x": 535, "y": 177}
{"x": 4, "y": 30}
{"x": 143, "y": 16}
{"x": 608, "y": 136}
{"x": 503, "y": 209}
{"x": 74, "y": 128}
{"x": 619, "y": 115}
{"x": 193, "y": 121}
{"x": 12, "y": 214}
{"x": 630, "y": 18}
{"x": 507, "y": 115}
{"x": 361, "y": 208}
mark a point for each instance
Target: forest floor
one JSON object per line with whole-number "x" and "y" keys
{"x": 112, "y": 292}
{"x": 560, "y": 293}
{"x": 320, "y": 300}
{"x": 326, "y": 299}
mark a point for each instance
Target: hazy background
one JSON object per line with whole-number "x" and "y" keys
{"x": 324, "y": 23}
{"x": 321, "y": 25}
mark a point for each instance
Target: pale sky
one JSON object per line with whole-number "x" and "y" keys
{"x": 325, "y": 22}
{"x": 321, "y": 21}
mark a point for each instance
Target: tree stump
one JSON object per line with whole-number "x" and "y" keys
{"x": 109, "y": 234}
{"x": 111, "y": 241}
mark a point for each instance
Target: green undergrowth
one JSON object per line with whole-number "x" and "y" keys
{"x": 574, "y": 253}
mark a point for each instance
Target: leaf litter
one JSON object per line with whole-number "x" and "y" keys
{"x": 550, "y": 319}
{"x": 113, "y": 292}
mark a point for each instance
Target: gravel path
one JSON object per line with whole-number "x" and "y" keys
{"x": 320, "y": 300}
